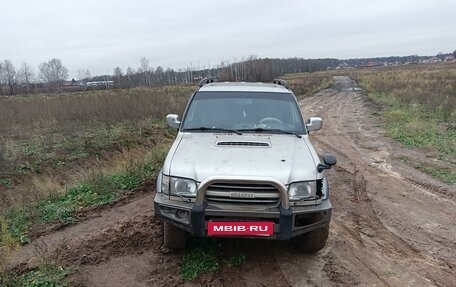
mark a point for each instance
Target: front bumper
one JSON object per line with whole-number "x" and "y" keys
{"x": 289, "y": 221}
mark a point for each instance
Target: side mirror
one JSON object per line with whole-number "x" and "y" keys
{"x": 328, "y": 161}
{"x": 314, "y": 124}
{"x": 173, "y": 121}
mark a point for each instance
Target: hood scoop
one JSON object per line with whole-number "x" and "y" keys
{"x": 243, "y": 143}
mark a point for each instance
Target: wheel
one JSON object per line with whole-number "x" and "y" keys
{"x": 312, "y": 241}
{"x": 173, "y": 237}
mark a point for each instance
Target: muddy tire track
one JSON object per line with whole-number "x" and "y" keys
{"x": 388, "y": 203}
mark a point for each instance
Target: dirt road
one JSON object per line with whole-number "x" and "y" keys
{"x": 392, "y": 226}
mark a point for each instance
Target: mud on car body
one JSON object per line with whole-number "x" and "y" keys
{"x": 242, "y": 165}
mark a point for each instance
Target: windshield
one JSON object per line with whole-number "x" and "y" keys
{"x": 243, "y": 111}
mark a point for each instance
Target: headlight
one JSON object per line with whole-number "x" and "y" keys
{"x": 178, "y": 186}
{"x": 182, "y": 186}
{"x": 302, "y": 190}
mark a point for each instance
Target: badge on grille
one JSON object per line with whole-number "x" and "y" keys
{"x": 242, "y": 195}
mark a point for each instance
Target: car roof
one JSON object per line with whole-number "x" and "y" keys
{"x": 243, "y": 87}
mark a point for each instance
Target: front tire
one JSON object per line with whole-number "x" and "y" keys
{"x": 173, "y": 237}
{"x": 312, "y": 241}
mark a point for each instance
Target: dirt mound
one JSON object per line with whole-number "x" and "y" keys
{"x": 131, "y": 235}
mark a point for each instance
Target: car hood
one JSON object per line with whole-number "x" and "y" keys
{"x": 200, "y": 155}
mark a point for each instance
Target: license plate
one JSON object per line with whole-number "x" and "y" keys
{"x": 240, "y": 228}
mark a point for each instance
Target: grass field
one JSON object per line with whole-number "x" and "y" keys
{"x": 419, "y": 109}
{"x": 306, "y": 84}
{"x": 64, "y": 153}
{"x": 433, "y": 86}
{"x": 46, "y": 134}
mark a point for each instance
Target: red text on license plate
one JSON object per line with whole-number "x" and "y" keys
{"x": 240, "y": 228}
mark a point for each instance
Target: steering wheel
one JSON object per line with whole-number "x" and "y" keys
{"x": 269, "y": 120}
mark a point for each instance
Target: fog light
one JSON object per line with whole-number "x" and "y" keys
{"x": 166, "y": 209}
{"x": 181, "y": 213}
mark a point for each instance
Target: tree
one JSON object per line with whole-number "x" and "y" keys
{"x": 84, "y": 74}
{"x": 26, "y": 75}
{"x": 159, "y": 75}
{"x": 454, "y": 53}
{"x": 53, "y": 72}
{"x": 145, "y": 70}
{"x": 441, "y": 56}
{"x": 8, "y": 75}
{"x": 118, "y": 75}
{"x": 130, "y": 73}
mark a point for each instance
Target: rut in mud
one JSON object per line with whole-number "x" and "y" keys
{"x": 391, "y": 226}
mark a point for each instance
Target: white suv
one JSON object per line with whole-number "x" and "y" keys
{"x": 242, "y": 165}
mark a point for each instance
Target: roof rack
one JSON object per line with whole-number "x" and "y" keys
{"x": 280, "y": 82}
{"x": 206, "y": 81}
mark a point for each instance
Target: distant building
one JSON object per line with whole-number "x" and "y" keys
{"x": 343, "y": 65}
{"x": 100, "y": 84}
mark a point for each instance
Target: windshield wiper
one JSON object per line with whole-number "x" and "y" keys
{"x": 213, "y": 129}
{"x": 271, "y": 130}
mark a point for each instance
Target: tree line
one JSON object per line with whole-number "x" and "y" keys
{"x": 252, "y": 69}
{"x": 52, "y": 76}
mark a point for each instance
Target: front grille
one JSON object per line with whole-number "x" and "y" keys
{"x": 243, "y": 194}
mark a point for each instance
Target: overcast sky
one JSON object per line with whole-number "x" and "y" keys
{"x": 99, "y": 34}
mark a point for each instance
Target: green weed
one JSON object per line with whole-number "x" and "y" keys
{"x": 5, "y": 181}
{"x": 98, "y": 190}
{"x": 33, "y": 154}
{"x": 7, "y": 243}
{"x": 235, "y": 260}
{"x": 206, "y": 255}
{"x": 46, "y": 275}
{"x": 443, "y": 174}
{"x": 201, "y": 256}
{"x": 417, "y": 126}
{"x": 17, "y": 221}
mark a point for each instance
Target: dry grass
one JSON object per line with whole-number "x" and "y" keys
{"x": 104, "y": 106}
{"x": 7, "y": 243}
{"x": 42, "y": 137}
{"x": 433, "y": 86}
{"x": 418, "y": 105}
{"x": 418, "y": 110}
{"x": 306, "y": 84}
{"x": 47, "y": 140}
{"x": 53, "y": 144}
